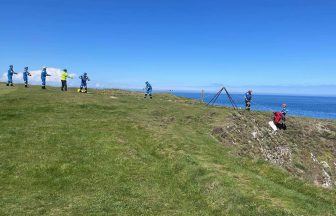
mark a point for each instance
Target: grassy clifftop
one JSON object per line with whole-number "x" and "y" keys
{"x": 112, "y": 152}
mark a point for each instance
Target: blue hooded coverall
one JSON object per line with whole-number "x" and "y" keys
{"x": 248, "y": 99}
{"x": 84, "y": 78}
{"x": 148, "y": 89}
{"x": 25, "y": 76}
{"x": 248, "y": 96}
{"x": 284, "y": 111}
{"x": 44, "y": 76}
{"x": 10, "y": 76}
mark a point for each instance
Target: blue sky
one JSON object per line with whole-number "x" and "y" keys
{"x": 273, "y": 46}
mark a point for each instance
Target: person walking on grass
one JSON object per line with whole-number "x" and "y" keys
{"x": 44, "y": 75}
{"x": 248, "y": 99}
{"x": 10, "y": 74}
{"x": 84, "y": 78}
{"x": 64, "y": 77}
{"x": 148, "y": 90}
{"x": 25, "y": 76}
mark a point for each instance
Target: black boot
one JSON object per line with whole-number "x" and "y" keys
{"x": 145, "y": 96}
{"x": 11, "y": 84}
{"x": 7, "y": 84}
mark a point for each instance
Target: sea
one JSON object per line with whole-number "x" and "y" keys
{"x": 308, "y": 106}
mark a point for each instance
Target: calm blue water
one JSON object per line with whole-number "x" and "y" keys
{"x": 310, "y": 106}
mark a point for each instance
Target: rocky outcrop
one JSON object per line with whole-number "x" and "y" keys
{"x": 306, "y": 149}
{"x": 325, "y": 179}
{"x": 280, "y": 155}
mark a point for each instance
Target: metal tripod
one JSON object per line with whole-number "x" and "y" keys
{"x": 215, "y": 98}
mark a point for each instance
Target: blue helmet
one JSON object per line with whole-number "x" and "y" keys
{"x": 26, "y": 68}
{"x": 85, "y": 74}
{"x": 10, "y": 66}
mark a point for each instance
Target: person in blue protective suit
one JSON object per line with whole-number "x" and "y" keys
{"x": 44, "y": 75}
{"x": 10, "y": 74}
{"x": 84, "y": 79}
{"x": 284, "y": 111}
{"x": 248, "y": 99}
{"x": 148, "y": 90}
{"x": 25, "y": 76}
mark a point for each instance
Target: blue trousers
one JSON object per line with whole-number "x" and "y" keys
{"x": 25, "y": 80}
{"x": 43, "y": 81}
{"x": 83, "y": 84}
{"x": 10, "y": 79}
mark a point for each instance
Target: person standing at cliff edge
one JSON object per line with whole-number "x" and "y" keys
{"x": 248, "y": 99}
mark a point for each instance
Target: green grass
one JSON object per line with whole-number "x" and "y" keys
{"x": 89, "y": 154}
